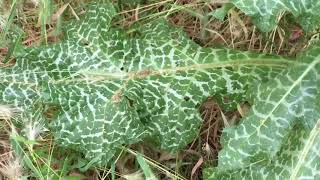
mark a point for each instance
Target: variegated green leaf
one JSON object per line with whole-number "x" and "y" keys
{"x": 114, "y": 88}
{"x": 281, "y": 128}
{"x": 265, "y": 13}
{"x": 297, "y": 159}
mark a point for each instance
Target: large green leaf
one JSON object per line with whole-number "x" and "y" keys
{"x": 280, "y": 136}
{"x": 265, "y": 12}
{"x": 114, "y": 88}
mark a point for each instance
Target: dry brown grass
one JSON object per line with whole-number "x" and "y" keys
{"x": 10, "y": 165}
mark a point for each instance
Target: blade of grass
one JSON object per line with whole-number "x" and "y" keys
{"x": 157, "y": 165}
{"x": 145, "y": 167}
{"x": 25, "y": 157}
{"x": 44, "y": 17}
{"x": 113, "y": 171}
{"x": 13, "y": 10}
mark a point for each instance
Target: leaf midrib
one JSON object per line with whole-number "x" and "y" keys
{"x": 138, "y": 74}
{"x": 301, "y": 77}
{"x": 199, "y": 67}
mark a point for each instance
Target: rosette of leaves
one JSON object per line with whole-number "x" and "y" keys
{"x": 280, "y": 136}
{"x": 265, "y": 13}
{"x": 112, "y": 88}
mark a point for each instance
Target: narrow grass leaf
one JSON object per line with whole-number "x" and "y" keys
{"x": 145, "y": 168}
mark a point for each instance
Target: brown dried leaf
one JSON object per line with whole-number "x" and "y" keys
{"x": 60, "y": 11}
{"x": 196, "y": 166}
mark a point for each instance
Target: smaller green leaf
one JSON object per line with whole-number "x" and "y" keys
{"x": 298, "y": 159}
{"x": 24, "y": 140}
{"x": 90, "y": 164}
{"x": 221, "y": 12}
